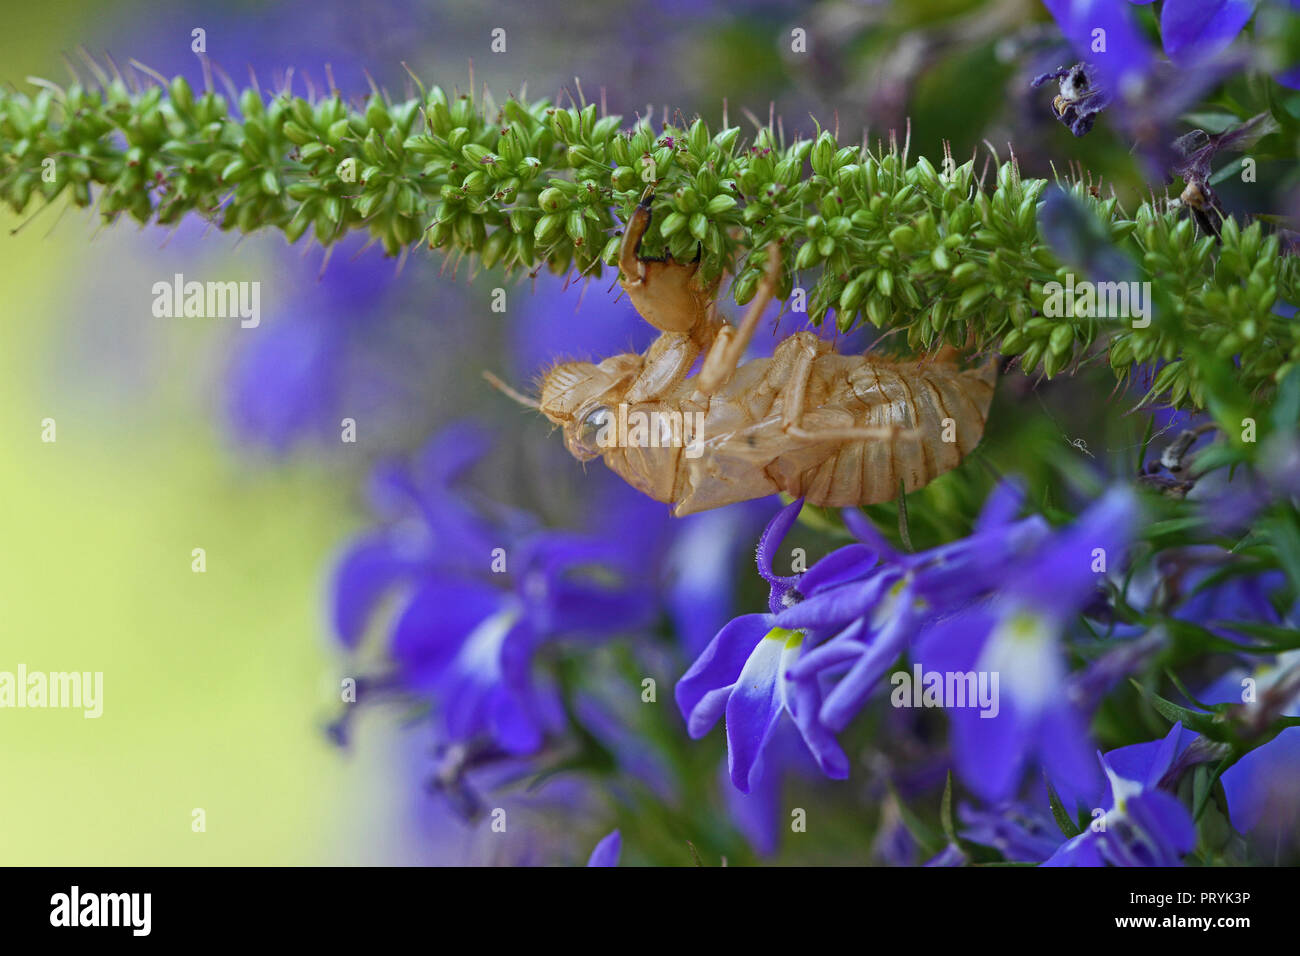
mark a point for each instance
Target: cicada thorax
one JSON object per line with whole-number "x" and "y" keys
{"x": 650, "y": 444}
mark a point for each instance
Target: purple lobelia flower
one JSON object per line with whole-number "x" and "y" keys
{"x": 742, "y": 673}
{"x": 1263, "y": 791}
{"x": 607, "y": 851}
{"x": 1019, "y": 832}
{"x": 1106, "y": 34}
{"x": 855, "y": 610}
{"x": 482, "y": 590}
{"x": 336, "y": 342}
{"x": 1141, "y": 825}
{"x": 871, "y": 601}
{"x": 1193, "y": 31}
{"x": 1015, "y": 634}
{"x": 1263, "y": 786}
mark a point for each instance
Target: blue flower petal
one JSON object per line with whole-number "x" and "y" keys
{"x": 850, "y": 563}
{"x": 366, "y": 573}
{"x": 836, "y": 607}
{"x": 700, "y": 693}
{"x": 1194, "y": 30}
{"x": 607, "y": 851}
{"x": 755, "y": 704}
{"x": 1263, "y": 787}
{"x": 847, "y": 697}
{"x": 434, "y": 625}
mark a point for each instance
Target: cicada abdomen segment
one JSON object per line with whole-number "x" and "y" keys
{"x": 939, "y": 412}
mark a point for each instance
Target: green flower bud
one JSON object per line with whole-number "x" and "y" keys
{"x": 476, "y": 154}
{"x": 1013, "y": 342}
{"x": 183, "y": 97}
{"x": 972, "y": 297}
{"x": 476, "y": 183}
{"x": 823, "y": 155}
{"x": 903, "y": 238}
{"x": 726, "y": 139}
{"x": 720, "y": 204}
{"x": 1061, "y": 341}
{"x": 496, "y": 246}
{"x": 377, "y": 115}
{"x": 575, "y": 224}
{"x": 698, "y": 138}
{"x": 672, "y": 223}
{"x": 523, "y": 250}
{"x": 885, "y": 284}
{"x": 552, "y": 199}
{"x": 808, "y": 256}
{"x": 548, "y": 227}
{"x": 877, "y": 311}
{"x": 1030, "y": 357}
{"x": 852, "y": 294}
{"x": 1053, "y": 362}
{"x": 745, "y": 286}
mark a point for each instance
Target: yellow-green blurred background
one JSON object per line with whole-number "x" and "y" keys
{"x": 216, "y": 685}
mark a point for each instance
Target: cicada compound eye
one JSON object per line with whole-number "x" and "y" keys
{"x": 594, "y": 425}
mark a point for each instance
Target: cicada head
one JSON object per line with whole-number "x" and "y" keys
{"x": 581, "y": 398}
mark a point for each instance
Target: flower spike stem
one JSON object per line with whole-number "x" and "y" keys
{"x": 943, "y": 254}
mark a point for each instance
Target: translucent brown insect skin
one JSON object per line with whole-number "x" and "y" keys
{"x": 837, "y": 430}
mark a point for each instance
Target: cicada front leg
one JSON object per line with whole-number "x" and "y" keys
{"x": 668, "y": 294}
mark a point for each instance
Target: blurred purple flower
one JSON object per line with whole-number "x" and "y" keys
{"x": 701, "y": 564}
{"x": 561, "y": 320}
{"x": 1196, "y": 30}
{"x": 1120, "y": 72}
{"x": 607, "y": 851}
{"x": 482, "y": 595}
{"x": 1142, "y": 825}
{"x": 323, "y": 353}
{"x": 758, "y": 814}
{"x": 1105, "y": 33}
{"x": 1016, "y": 634}
{"x": 1020, "y": 833}
{"x": 1263, "y": 787}
{"x": 1263, "y": 790}
{"x": 950, "y": 855}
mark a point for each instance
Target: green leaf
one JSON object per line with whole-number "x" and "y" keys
{"x": 945, "y": 811}
{"x": 1193, "y": 720}
{"x": 1059, "y": 813}
{"x": 930, "y": 841}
